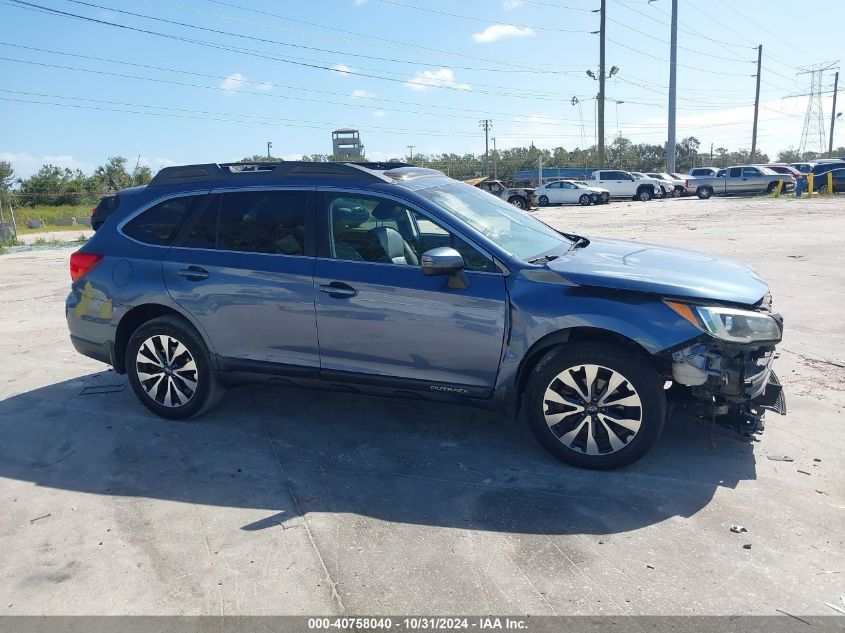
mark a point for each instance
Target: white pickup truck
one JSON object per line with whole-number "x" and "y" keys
{"x": 622, "y": 184}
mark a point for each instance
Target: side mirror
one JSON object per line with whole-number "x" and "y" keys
{"x": 446, "y": 261}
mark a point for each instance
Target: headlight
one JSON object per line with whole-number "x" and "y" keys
{"x": 729, "y": 324}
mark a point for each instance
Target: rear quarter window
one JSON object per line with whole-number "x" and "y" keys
{"x": 160, "y": 224}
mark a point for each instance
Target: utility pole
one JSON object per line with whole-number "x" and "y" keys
{"x": 486, "y": 125}
{"x": 673, "y": 74}
{"x": 833, "y": 115}
{"x": 411, "y": 149}
{"x": 711, "y": 153}
{"x": 756, "y": 103}
{"x": 603, "y": 12}
{"x": 269, "y": 145}
{"x": 496, "y": 160}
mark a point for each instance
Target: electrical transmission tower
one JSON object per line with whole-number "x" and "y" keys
{"x": 813, "y": 132}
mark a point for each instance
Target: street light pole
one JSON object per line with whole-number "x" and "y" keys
{"x": 673, "y": 72}
{"x": 269, "y": 145}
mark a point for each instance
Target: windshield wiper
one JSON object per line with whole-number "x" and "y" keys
{"x": 541, "y": 259}
{"x": 580, "y": 242}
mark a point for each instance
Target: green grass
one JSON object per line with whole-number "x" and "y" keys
{"x": 23, "y": 230}
{"x": 48, "y": 214}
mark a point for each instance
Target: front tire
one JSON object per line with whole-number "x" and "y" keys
{"x": 645, "y": 194}
{"x": 169, "y": 369}
{"x": 584, "y": 200}
{"x": 595, "y": 406}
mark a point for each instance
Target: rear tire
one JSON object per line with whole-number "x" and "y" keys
{"x": 618, "y": 422}
{"x": 605, "y": 198}
{"x": 543, "y": 201}
{"x": 169, "y": 369}
{"x": 519, "y": 202}
{"x": 704, "y": 193}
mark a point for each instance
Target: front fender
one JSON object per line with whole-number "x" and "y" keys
{"x": 541, "y": 308}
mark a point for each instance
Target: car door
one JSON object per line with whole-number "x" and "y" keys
{"x": 753, "y": 179}
{"x": 569, "y": 193}
{"x": 380, "y": 320}
{"x": 553, "y": 192}
{"x": 614, "y": 182}
{"x": 244, "y": 269}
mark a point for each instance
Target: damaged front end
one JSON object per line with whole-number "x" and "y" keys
{"x": 726, "y": 375}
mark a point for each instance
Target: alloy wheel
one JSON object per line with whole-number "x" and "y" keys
{"x": 592, "y": 409}
{"x": 167, "y": 371}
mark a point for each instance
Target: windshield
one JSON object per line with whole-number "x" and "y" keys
{"x": 513, "y": 230}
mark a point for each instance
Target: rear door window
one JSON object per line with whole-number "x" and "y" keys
{"x": 160, "y": 224}
{"x": 750, "y": 172}
{"x": 735, "y": 172}
{"x": 272, "y": 222}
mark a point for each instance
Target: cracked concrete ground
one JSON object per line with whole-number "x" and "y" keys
{"x": 286, "y": 501}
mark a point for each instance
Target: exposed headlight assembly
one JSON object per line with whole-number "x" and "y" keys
{"x": 729, "y": 324}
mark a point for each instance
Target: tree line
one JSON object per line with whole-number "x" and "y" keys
{"x": 56, "y": 186}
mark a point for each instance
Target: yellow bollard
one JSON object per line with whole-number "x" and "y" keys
{"x": 809, "y": 184}
{"x": 779, "y": 189}
{"x": 830, "y": 182}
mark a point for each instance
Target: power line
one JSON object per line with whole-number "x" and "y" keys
{"x": 522, "y": 94}
{"x": 661, "y": 59}
{"x": 756, "y": 24}
{"x": 288, "y": 44}
{"x": 396, "y": 43}
{"x": 479, "y": 19}
{"x": 474, "y": 111}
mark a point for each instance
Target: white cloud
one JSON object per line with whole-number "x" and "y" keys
{"x": 512, "y": 4}
{"x": 237, "y": 81}
{"x": 499, "y": 31}
{"x": 25, "y": 165}
{"x": 358, "y": 3}
{"x": 425, "y": 79}
{"x": 360, "y": 93}
{"x": 342, "y": 69}
{"x": 378, "y": 113}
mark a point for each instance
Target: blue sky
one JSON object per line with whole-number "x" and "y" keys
{"x": 404, "y": 72}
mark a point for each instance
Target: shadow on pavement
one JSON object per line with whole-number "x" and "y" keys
{"x": 293, "y": 451}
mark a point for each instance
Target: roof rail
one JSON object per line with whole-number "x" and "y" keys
{"x": 211, "y": 172}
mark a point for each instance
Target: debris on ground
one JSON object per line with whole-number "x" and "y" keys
{"x": 780, "y": 458}
{"x": 39, "y": 518}
{"x": 738, "y": 529}
{"x": 803, "y": 472}
{"x": 650, "y": 566}
{"x": 746, "y": 546}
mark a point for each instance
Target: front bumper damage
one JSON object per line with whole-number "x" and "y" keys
{"x": 729, "y": 384}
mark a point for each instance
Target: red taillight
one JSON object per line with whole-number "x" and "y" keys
{"x": 83, "y": 263}
{"x": 93, "y": 210}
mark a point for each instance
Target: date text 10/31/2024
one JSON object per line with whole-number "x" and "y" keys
{"x": 418, "y": 623}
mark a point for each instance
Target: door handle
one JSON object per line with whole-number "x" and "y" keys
{"x": 193, "y": 273}
{"x": 338, "y": 290}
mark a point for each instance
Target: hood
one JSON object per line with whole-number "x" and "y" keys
{"x": 662, "y": 270}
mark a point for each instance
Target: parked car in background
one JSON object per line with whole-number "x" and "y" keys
{"x": 103, "y": 210}
{"x": 622, "y": 184}
{"x": 820, "y": 176}
{"x": 214, "y": 275}
{"x": 703, "y": 172}
{"x": 674, "y": 186}
{"x": 782, "y": 168}
{"x": 660, "y": 190}
{"x": 570, "y": 192}
{"x": 804, "y": 168}
{"x": 520, "y": 197}
{"x": 742, "y": 179}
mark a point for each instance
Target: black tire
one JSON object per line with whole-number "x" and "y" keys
{"x": 772, "y": 187}
{"x": 605, "y": 198}
{"x": 207, "y": 391}
{"x": 823, "y": 189}
{"x": 645, "y": 194}
{"x": 704, "y": 193}
{"x": 519, "y": 202}
{"x": 584, "y": 200}
{"x": 543, "y": 201}
{"x": 639, "y": 378}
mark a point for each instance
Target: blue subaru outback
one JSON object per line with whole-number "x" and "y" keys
{"x": 394, "y": 280}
